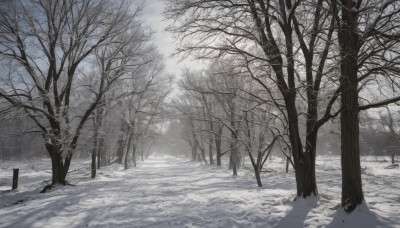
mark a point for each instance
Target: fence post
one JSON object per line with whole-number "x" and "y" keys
{"x": 15, "y": 179}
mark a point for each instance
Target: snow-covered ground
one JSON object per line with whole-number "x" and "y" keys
{"x": 173, "y": 192}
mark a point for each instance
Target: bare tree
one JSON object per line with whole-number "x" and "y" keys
{"x": 262, "y": 35}
{"x": 48, "y": 43}
{"x": 124, "y": 56}
{"x": 292, "y": 46}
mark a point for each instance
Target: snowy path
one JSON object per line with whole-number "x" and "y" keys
{"x": 160, "y": 193}
{"x": 171, "y": 192}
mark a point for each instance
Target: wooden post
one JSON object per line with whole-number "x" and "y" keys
{"x": 15, "y": 179}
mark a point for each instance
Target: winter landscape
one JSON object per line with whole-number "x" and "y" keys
{"x": 166, "y": 191}
{"x": 199, "y": 113}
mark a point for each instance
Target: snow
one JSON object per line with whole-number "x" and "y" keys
{"x": 174, "y": 192}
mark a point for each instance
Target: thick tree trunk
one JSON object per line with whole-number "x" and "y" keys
{"x": 305, "y": 178}
{"x": 352, "y": 193}
{"x": 58, "y": 167}
{"x": 59, "y": 174}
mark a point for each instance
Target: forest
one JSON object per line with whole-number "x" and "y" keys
{"x": 199, "y": 113}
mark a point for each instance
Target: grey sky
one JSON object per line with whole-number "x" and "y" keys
{"x": 152, "y": 15}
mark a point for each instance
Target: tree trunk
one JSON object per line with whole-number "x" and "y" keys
{"x": 218, "y": 140}
{"x": 120, "y": 150}
{"x": 95, "y": 146}
{"x": 305, "y": 178}
{"x": 194, "y": 153}
{"x": 94, "y": 158}
{"x": 210, "y": 153}
{"x": 103, "y": 151}
{"x": 219, "y": 155}
{"x": 231, "y": 158}
{"x": 57, "y": 165}
{"x": 122, "y": 143}
{"x": 234, "y": 161}
{"x": 203, "y": 153}
{"x": 392, "y": 157}
{"x": 287, "y": 164}
{"x": 352, "y": 193}
{"x": 134, "y": 154}
{"x": 99, "y": 156}
{"x": 128, "y": 149}
{"x": 234, "y": 168}
{"x": 258, "y": 179}
{"x": 258, "y": 176}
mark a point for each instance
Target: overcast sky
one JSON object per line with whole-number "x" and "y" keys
{"x": 163, "y": 40}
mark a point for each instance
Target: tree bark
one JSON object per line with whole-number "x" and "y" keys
{"x": 57, "y": 165}
{"x": 257, "y": 173}
{"x": 352, "y": 193}
{"x": 303, "y": 161}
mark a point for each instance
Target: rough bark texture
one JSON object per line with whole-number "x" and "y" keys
{"x": 352, "y": 193}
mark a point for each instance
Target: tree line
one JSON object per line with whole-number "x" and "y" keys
{"x": 82, "y": 70}
{"x": 280, "y": 70}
